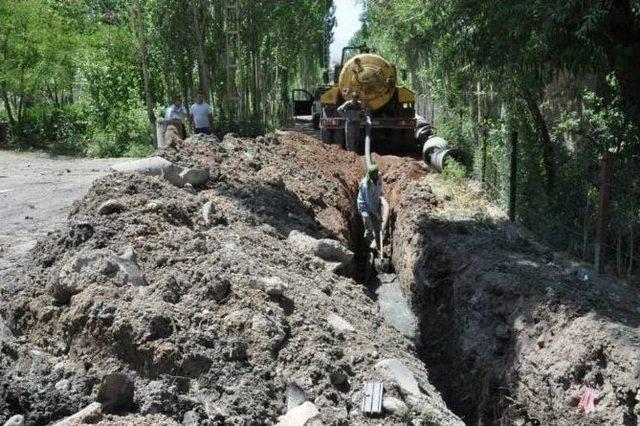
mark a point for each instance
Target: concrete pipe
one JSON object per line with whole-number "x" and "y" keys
{"x": 421, "y": 121}
{"x": 423, "y": 133}
{"x": 431, "y": 145}
{"x": 439, "y": 157}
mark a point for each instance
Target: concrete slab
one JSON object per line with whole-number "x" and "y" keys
{"x": 302, "y": 415}
{"x": 339, "y": 323}
{"x": 396, "y": 309}
{"x": 396, "y": 371}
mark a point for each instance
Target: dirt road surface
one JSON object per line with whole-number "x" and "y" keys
{"x": 36, "y": 192}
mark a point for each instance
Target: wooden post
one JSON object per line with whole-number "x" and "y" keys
{"x": 603, "y": 209}
{"x": 630, "y": 266}
{"x": 484, "y": 136}
{"x": 513, "y": 176}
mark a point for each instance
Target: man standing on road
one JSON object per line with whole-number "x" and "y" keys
{"x": 177, "y": 112}
{"x": 352, "y": 112}
{"x": 200, "y": 115}
{"x": 369, "y": 204}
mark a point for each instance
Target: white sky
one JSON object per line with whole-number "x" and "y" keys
{"x": 347, "y": 23}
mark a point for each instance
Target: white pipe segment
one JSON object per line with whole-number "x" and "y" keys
{"x": 383, "y": 202}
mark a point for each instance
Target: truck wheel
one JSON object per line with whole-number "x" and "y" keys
{"x": 326, "y": 135}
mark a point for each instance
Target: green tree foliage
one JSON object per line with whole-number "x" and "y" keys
{"x": 72, "y": 72}
{"x": 563, "y": 74}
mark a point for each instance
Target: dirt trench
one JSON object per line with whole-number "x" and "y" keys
{"x": 508, "y": 332}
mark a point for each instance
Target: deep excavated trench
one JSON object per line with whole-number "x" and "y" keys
{"x": 508, "y": 336}
{"x": 422, "y": 317}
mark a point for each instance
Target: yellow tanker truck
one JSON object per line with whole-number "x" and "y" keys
{"x": 392, "y": 107}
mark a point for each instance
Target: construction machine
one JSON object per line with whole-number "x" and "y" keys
{"x": 391, "y": 107}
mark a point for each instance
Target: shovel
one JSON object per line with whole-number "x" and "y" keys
{"x": 382, "y": 263}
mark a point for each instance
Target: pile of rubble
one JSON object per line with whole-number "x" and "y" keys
{"x": 209, "y": 285}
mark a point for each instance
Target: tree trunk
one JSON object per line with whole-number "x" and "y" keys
{"x": 585, "y": 230}
{"x": 513, "y": 176}
{"x": 619, "y": 253}
{"x": 7, "y": 106}
{"x": 547, "y": 146}
{"x": 484, "y": 136}
{"x": 138, "y": 26}
{"x": 203, "y": 69}
{"x": 631, "y": 247}
{"x": 603, "y": 210}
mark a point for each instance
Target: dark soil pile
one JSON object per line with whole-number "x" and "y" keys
{"x": 200, "y": 296}
{"x": 511, "y": 334}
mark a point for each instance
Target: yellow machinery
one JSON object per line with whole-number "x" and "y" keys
{"x": 392, "y": 107}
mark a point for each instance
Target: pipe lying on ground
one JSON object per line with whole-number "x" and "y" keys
{"x": 436, "y": 151}
{"x": 431, "y": 145}
{"x": 439, "y": 157}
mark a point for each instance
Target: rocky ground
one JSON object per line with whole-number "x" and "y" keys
{"x": 228, "y": 303}
{"x": 238, "y": 300}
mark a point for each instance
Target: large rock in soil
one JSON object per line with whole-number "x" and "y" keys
{"x": 158, "y": 166}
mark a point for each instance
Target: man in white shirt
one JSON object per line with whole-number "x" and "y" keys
{"x": 176, "y": 111}
{"x": 179, "y": 113}
{"x": 200, "y": 115}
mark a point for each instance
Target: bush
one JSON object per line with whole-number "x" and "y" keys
{"x": 128, "y": 134}
{"x": 84, "y": 130}
{"x": 454, "y": 172}
{"x": 59, "y": 129}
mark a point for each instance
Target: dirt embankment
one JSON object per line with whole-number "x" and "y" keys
{"x": 207, "y": 299}
{"x": 509, "y": 335}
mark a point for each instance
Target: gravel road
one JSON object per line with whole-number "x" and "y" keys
{"x": 36, "y": 191}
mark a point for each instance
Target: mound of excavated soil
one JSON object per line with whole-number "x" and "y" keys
{"x": 509, "y": 334}
{"x": 206, "y": 300}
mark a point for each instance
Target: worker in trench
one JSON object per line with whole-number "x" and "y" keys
{"x": 369, "y": 205}
{"x": 352, "y": 110}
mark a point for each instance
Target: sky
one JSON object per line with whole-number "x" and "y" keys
{"x": 348, "y": 22}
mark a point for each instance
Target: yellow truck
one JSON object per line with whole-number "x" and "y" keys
{"x": 395, "y": 127}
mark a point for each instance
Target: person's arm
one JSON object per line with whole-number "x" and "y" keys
{"x": 341, "y": 108}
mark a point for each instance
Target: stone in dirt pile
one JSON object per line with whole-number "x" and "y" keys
{"x": 206, "y": 318}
